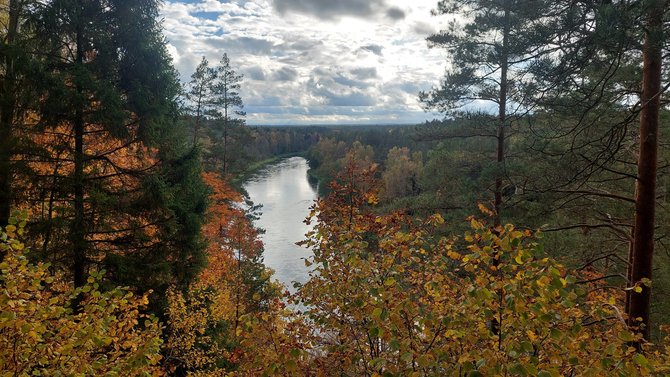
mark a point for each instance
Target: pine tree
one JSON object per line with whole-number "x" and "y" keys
{"x": 492, "y": 46}
{"x": 228, "y": 103}
{"x": 642, "y": 253}
{"x": 595, "y": 77}
{"x": 199, "y": 95}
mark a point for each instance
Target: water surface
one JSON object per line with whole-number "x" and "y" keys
{"x": 286, "y": 195}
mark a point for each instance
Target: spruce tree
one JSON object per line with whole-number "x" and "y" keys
{"x": 128, "y": 190}
{"x": 16, "y": 64}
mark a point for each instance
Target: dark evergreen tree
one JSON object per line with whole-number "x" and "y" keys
{"x": 642, "y": 253}
{"x": 15, "y": 94}
{"x": 125, "y": 181}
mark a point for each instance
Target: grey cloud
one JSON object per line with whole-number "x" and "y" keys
{"x": 346, "y": 81}
{"x": 375, "y": 49}
{"x": 255, "y": 73}
{"x": 364, "y": 73}
{"x": 351, "y": 99}
{"x": 335, "y": 91}
{"x": 423, "y": 28}
{"x": 328, "y": 9}
{"x": 248, "y": 45}
{"x": 297, "y": 51}
{"x": 410, "y": 88}
{"x": 395, "y": 13}
{"x": 236, "y": 20}
{"x": 285, "y": 74}
{"x": 304, "y": 44}
{"x": 270, "y": 101}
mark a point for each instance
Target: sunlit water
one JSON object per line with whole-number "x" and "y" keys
{"x": 286, "y": 195}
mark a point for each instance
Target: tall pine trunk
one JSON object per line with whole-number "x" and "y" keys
{"x": 502, "y": 118}
{"x": 645, "y": 188}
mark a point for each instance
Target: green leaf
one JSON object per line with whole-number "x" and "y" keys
{"x": 626, "y": 336}
{"x": 640, "y": 360}
{"x": 291, "y": 365}
{"x": 377, "y": 312}
{"x": 424, "y": 361}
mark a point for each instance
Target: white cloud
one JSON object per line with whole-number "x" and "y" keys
{"x": 302, "y": 66}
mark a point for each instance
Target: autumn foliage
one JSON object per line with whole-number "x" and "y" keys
{"x": 388, "y": 296}
{"x": 232, "y": 310}
{"x": 41, "y": 334}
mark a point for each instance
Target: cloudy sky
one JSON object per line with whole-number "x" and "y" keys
{"x": 314, "y": 61}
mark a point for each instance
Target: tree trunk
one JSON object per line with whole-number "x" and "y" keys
{"x": 645, "y": 188}
{"x": 196, "y": 127}
{"x": 225, "y": 140}
{"x": 77, "y": 231}
{"x": 7, "y": 113}
{"x": 496, "y": 323}
{"x": 502, "y": 118}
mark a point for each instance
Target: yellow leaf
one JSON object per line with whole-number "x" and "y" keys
{"x": 453, "y": 255}
{"x": 531, "y": 335}
{"x": 519, "y": 259}
{"x": 476, "y": 224}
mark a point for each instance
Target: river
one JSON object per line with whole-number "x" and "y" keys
{"x": 286, "y": 195}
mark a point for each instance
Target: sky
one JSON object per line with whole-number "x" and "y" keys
{"x": 314, "y": 61}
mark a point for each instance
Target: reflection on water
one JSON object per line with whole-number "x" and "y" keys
{"x": 286, "y": 195}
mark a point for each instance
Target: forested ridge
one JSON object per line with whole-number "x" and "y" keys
{"x": 523, "y": 233}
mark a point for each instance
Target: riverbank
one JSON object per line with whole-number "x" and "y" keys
{"x": 239, "y": 179}
{"x": 318, "y": 181}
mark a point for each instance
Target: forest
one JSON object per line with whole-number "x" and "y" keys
{"x": 523, "y": 236}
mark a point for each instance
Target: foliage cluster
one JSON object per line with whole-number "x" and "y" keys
{"x": 48, "y": 328}
{"x": 225, "y": 316}
{"x": 389, "y": 296}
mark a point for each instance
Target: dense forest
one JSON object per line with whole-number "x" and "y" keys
{"x": 523, "y": 236}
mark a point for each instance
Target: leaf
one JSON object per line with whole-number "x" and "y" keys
{"x": 476, "y": 225}
{"x": 640, "y": 360}
{"x": 626, "y": 336}
{"x": 377, "y": 312}
{"x": 519, "y": 258}
{"x": 424, "y": 361}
